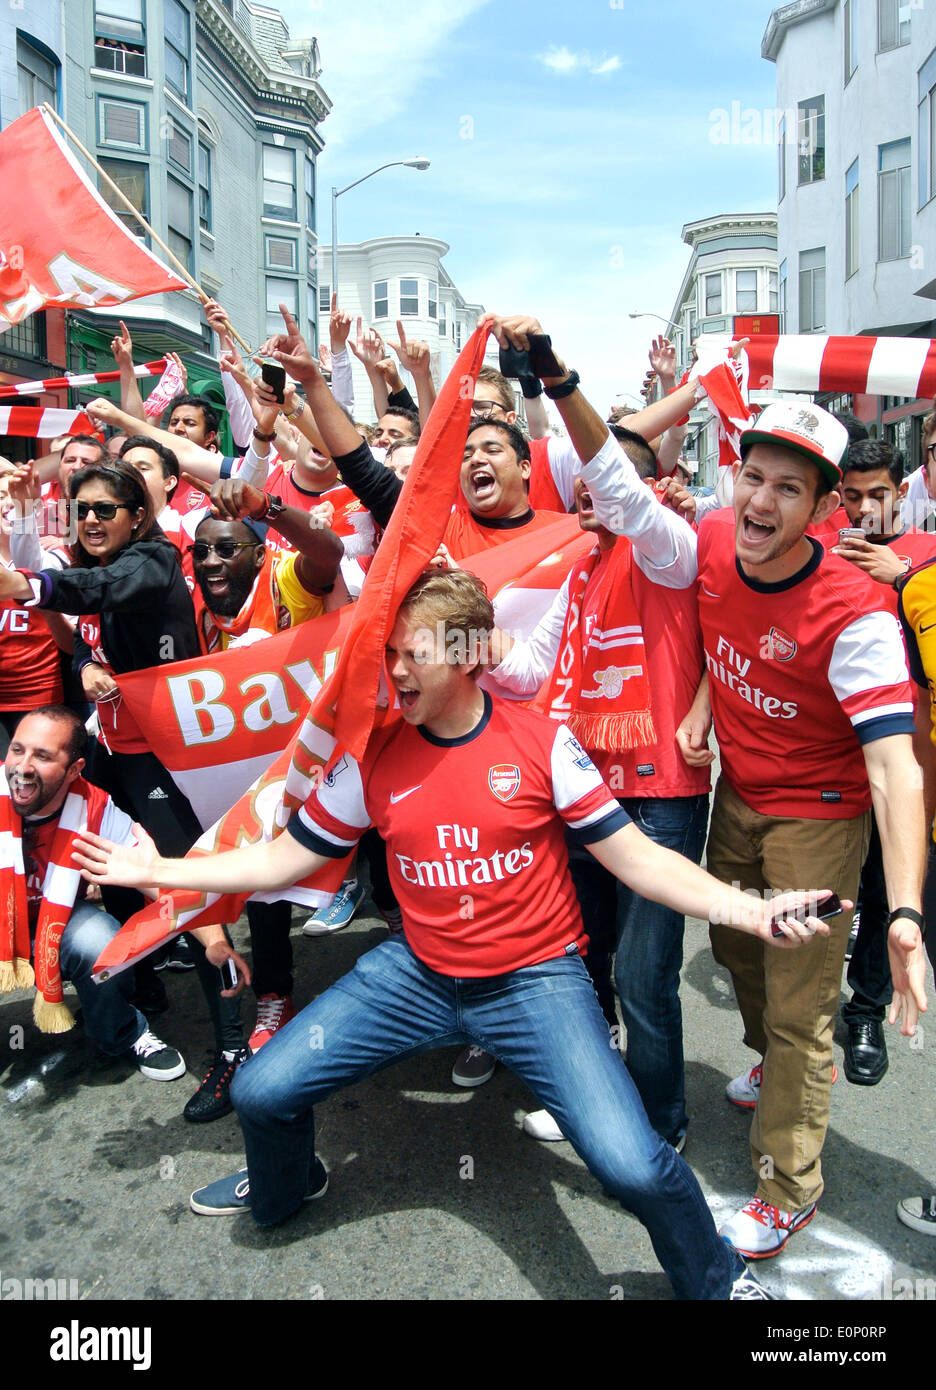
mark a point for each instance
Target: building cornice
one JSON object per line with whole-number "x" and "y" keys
{"x": 267, "y": 82}
{"x": 728, "y": 224}
{"x": 784, "y": 17}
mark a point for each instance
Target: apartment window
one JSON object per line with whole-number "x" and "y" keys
{"x": 324, "y": 299}
{"x": 812, "y": 290}
{"x": 781, "y": 160}
{"x": 279, "y": 183}
{"x": 119, "y": 36}
{"x": 381, "y": 301}
{"x": 458, "y": 335}
{"x": 810, "y": 137}
{"x": 36, "y": 77}
{"x": 893, "y": 24}
{"x": 433, "y": 299}
{"x": 179, "y": 147}
{"x": 122, "y": 124}
{"x": 851, "y": 220}
{"x": 133, "y": 182}
{"x": 713, "y": 295}
{"x": 746, "y": 291}
{"x": 179, "y": 217}
{"x": 176, "y": 24}
{"x": 311, "y": 317}
{"x": 282, "y": 253}
{"x": 204, "y": 187}
{"x": 894, "y": 200}
{"x": 927, "y": 129}
{"x": 782, "y": 303}
{"x": 409, "y": 298}
{"x": 443, "y": 328}
{"x": 693, "y": 326}
{"x": 310, "y": 193}
{"x": 280, "y": 292}
{"x": 849, "y": 12}
{"x": 772, "y": 292}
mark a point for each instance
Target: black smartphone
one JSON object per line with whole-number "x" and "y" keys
{"x": 228, "y": 972}
{"x": 830, "y": 908}
{"x": 274, "y": 375}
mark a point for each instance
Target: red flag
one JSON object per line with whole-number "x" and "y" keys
{"x": 59, "y": 241}
{"x": 345, "y": 711}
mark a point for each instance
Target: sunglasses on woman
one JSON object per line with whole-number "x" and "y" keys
{"x": 104, "y": 511}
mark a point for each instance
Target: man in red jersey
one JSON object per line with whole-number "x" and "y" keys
{"x": 872, "y": 487}
{"x": 493, "y": 934}
{"x": 811, "y": 702}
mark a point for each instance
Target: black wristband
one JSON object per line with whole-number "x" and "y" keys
{"x": 565, "y": 388}
{"x": 908, "y": 912}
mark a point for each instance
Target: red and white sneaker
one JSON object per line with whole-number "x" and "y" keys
{"x": 760, "y": 1230}
{"x": 745, "y": 1089}
{"x": 273, "y": 1010}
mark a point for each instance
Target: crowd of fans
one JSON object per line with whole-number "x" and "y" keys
{"x": 770, "y": 612}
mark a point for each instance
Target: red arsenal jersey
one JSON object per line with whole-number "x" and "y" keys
{"x": 482, "y": 877}
{"x": 801, "y": 674}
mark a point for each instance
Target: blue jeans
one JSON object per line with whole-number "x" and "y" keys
{"x": 544, "y": 1023}
{"x": 648, "y": 939}
{"x": 110, "y": 1019}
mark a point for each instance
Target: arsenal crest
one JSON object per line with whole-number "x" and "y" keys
{"x": 782, "y": 647}
{"x": 504, "y": 780}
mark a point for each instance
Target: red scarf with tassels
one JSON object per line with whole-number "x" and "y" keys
{"x": 82, "y": 809}
{"x": 599, "y": 685}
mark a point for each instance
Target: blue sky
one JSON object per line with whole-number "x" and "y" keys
{"x": 569, "y": 145}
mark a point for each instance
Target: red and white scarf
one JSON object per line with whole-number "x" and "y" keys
{"x": 261, "y": 615}
{"x": 82, "y": 809}
{"x": 605, "y": 704}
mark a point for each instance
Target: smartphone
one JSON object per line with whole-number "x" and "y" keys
{"x": 228, "y": 973}
{"x": 830, "y": 908}
{"x": 851, "y": 533}
{"x": 274, "y": 375}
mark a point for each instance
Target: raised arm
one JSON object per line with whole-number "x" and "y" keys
{"x": 130, "y": 399}
{"x": 202, "y": 463}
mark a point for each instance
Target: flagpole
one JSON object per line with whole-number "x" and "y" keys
{"x": 193, "y": 284}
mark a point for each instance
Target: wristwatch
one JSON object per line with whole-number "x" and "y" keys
{"x": 275, "y": 507}
{"x": 565, "y": 388}
{"x": 294, "y": 414}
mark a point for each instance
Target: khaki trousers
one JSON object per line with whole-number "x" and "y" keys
{"x": 788, "y": 998}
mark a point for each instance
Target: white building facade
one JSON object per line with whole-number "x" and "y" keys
{"x": 856, "y": 99}
{"x": 399, "y": 277}
{"x": 731, "y": 285}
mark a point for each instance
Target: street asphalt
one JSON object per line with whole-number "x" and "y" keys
{"x": 435, "y": 1193}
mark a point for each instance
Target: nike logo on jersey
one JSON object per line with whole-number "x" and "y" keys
{"x": 398, "y": 796}
{"x": 927, "y": 628}
{"x": 708, "y": 591}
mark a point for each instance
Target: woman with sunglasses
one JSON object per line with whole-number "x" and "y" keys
{"x": 126, "y": 585}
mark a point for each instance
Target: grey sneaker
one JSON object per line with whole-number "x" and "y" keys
{"x": 473, "y": 1066}
{"x": 228, "y": 1196}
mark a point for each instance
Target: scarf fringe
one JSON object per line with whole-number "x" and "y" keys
{"x": 52, "y": 1018}
{"x": 613, "y": 733}
{"x": 16, "y": 974}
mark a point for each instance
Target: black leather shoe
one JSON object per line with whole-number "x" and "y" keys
{"x": 865, "y": 1052}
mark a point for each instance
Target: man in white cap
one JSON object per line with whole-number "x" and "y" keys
{"x": 808, "y": 686}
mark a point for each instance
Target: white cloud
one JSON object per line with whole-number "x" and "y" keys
{"x": 563, "y": 60}
{"x": 374, "y": 57}
{"x": 559, "y": 59}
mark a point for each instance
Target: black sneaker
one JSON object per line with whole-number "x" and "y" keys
{"x": 155, "y": 1059}
{"x": 212, "y": 1100}
{"x": 179, "y": 957}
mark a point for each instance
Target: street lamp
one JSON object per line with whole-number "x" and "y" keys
{"x": 669, "y": 322}
{"x": 418, "y": 163}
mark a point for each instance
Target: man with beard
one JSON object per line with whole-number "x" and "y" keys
{"x": 44, "y": 803}
{"x": 247, "y": 590}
